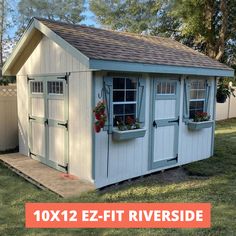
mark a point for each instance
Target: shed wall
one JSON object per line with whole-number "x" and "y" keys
{"x": 49, "y": 58}
{"x": 126, "y": 159}
{"x": 129, "y": 159}
{"x": 195, "y": 145}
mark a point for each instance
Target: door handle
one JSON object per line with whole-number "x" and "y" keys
{"x": 154, "y": 124}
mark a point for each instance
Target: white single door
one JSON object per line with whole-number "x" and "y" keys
{"x": 165, "y": 123}
{"x": 37, "y": 118}
{"x": 49, "y": 121}
{"x": 57, "y": 123}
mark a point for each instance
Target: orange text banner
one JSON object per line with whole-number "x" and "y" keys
{"x": 117, "y": 215}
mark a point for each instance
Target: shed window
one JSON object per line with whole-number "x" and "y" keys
{"x": 197, "y": 97}
{"x": 166, "y": 88}
{"x": 37, "y": 87}
{"x": 124, "y": 99}
{"x": 55, "y": 87}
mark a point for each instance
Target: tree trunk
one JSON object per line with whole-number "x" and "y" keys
{"x": 223, "y": 29}
{"x": 215, "y": 47}
{"x": 209, "y": 14}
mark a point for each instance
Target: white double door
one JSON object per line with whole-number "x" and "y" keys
{"x": 48, "y": 121}
{"x": 165, "y": 123}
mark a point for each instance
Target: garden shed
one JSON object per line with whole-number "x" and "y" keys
{"x": 155, "y": 90}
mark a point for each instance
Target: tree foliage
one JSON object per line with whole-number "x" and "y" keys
{"x": 6, "y": 22}
{"x": 206, "y": 25}
{"x": 128, "y": 15}
{"x": 70, "y": 11}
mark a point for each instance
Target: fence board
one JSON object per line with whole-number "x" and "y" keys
{"x": 8, "y": 117}
{"x": 226, "y": 110}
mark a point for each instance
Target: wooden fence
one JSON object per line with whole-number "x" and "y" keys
{"x": 8, "y": 118}
{"x": 226, "y": 110}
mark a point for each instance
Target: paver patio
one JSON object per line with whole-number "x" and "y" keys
{"x": 45, "y": 177}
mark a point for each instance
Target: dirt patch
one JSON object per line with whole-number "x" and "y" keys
{"x": 175, "y": 175}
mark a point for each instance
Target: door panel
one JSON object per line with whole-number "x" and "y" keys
{"x": 48, "y": 121}
{"x": 57, "y": 122}
{"x": 38, "y": 107}
{"x": 165, "y": 126}
{"x": 165, "y": 109}
{"x": 56, "y": 140}
{"x": 164, "y": 135}
{"x": 56, "y": 109}
{"x": 38, "y": 146}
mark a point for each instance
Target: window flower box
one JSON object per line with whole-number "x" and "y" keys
{"x": 119, "y": 135}
{"x": 199, "y": 125}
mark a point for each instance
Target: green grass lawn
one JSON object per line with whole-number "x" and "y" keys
{"x": 212, "y": 180}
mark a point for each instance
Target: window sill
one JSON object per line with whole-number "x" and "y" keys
{"x": 118, "y": 135}
{"x": 199, "y": 125}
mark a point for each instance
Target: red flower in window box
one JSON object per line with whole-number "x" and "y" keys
{"x": 201, "y": 116}
{"x": 129, "y": 124}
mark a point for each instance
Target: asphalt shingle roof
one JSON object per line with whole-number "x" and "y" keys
{"x": 117, "y": 46}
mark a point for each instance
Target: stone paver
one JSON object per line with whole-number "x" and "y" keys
{"x": 46, "y": 177}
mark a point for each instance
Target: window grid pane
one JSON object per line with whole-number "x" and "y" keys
{"x": 166, "y": 88}
{"x": 197, "y": 97}
{"x": 37, "y": 87}
{"x": 124, "y": 99}
{"x": 55, "y": 87}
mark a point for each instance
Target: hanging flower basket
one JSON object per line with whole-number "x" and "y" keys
{"x": 100, "y": 116}
{"x": 224, "y": 91}
{"x": 221, "y": 98}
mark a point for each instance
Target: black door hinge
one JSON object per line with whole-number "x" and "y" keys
{"x": 29, "y": 79}
{"x": 64, "y": 167}
{"x": 154, "y": 124}
{"x": 46, "y": 122}
{"x": 31, "y": 118}
{"x": 173, "y": 159}
{"x": 174, "y": 121}
{"x": 66, "y": 77}
{"x": 32, "y": 154}
{"x": 63, "y": 124}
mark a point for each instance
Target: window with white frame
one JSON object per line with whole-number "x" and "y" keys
{"x": 36, "y": 87}
{"x": 55, "y": 87}
{"x": 124, "y": 99}
{"x": 197, "y": 97}
{"x": 166, "y": 88}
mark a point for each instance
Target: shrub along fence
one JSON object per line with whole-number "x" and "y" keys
{"x": 8, "y": 118}
{"x": 226, "y": 110}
